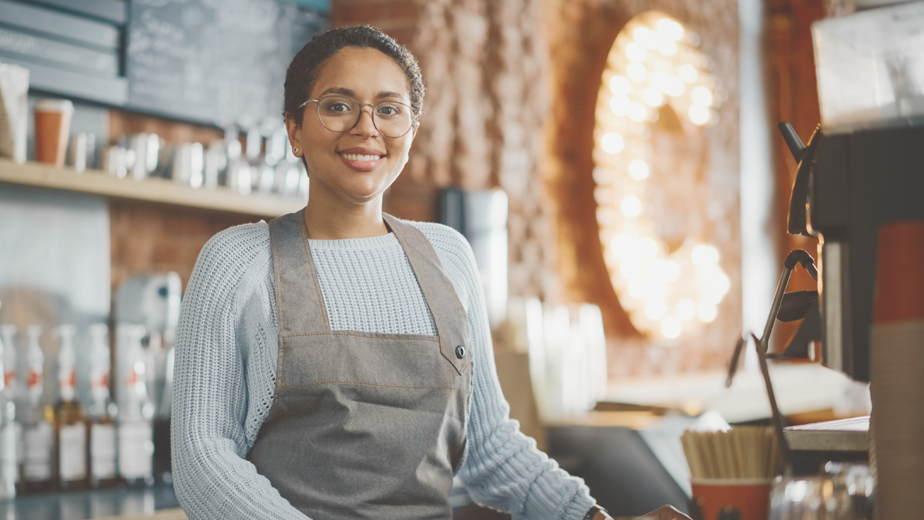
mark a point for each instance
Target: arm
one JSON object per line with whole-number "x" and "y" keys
{"x": 211, "y": 477}
{"x": 502, "y": 468}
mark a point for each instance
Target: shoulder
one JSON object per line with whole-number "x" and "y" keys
{"x": 456, "y": 257}
{"x": 237, "y": 253}
{"x": 237, "y": 243}
{"x": 448, "y": 243}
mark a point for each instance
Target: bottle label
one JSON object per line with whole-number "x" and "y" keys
{"x": 10, "y": 438}
{"x": 136, "y": 449}
{"x": 72, "y": 462}
{"x": 37, "y": 443}
{"x": 35, "y": 379}
{"x": 102, "y": 451}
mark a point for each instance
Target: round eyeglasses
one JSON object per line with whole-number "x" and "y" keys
{"x": 339, "y": 113}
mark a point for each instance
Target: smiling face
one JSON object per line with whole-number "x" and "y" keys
{"x": 356, "y": 166}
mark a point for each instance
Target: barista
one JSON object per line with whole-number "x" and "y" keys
{"x": 336, "y": 362}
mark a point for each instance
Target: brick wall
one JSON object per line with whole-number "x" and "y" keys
{"x": 147, "y": 238}
{"x": 484, "y": 63}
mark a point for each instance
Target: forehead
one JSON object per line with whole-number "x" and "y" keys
{"x": 365, "y": 71}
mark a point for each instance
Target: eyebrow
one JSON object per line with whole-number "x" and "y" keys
{"x": 348, "y": 92}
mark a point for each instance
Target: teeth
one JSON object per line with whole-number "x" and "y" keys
{"x": 364, "y": 158}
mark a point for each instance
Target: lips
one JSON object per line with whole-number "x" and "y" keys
{"x": 364, "y": 159}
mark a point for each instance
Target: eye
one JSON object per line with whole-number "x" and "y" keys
{"x": 389, "y": 110}
{"x": 336, "y": 106}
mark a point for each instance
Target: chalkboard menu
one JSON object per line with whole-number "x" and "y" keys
{"x": 220, "y": 62}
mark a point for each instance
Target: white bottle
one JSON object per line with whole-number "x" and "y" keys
{"x": 70, "y": 425}
{"x": 9, "y": 428}
{"x": 9, "y": 358}
{"x": 135, "y": 431}
{"x": 67, "y": 362}
{"x": 35, "y": 370}
{"x": 38, "y": 432}
{"x": 100, "y": 411}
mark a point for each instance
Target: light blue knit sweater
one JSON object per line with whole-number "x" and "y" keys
{"x": 226, "y": 368}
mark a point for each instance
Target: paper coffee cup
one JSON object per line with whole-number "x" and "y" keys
{"x": 751, "y": 497}
{"x": 52, "y": 127}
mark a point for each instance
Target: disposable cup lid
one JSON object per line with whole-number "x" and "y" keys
{"x": 55, "y": 105}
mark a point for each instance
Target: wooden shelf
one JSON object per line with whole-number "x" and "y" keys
{"x": 162, "y": 191}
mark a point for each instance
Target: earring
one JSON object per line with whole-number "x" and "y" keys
{"x": 294, "y": 149}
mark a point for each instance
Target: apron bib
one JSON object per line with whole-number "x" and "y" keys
{"x": 364, "y": 425}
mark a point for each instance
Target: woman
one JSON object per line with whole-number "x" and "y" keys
{"x": 336, "y": 362}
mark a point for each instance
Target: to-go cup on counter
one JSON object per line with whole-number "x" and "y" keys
{"x": 750, "y": 497}
{"x": 52, "y": 128}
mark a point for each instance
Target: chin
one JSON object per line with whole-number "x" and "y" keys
{"x": 362, "y": 196}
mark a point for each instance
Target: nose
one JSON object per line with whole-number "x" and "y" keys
{"x": 365, "y": 126}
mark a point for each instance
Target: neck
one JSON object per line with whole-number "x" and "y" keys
{"x": 326, "y": 219}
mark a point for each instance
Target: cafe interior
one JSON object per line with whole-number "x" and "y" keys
{"x": 698, "y": 225}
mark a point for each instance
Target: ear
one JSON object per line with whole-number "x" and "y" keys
{"x": 294, "y": 129}
{"x": 414, "y": 129}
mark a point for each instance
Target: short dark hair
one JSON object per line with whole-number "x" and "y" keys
{"x": 307, "y": 63}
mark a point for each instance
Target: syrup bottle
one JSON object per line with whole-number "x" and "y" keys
{"x": 70, "y": 426}
{"x": 135, "y": 431}
{"x": 38, "y": 432}
{"x": 100, "y": 412}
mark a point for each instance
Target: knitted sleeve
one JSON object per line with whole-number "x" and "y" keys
{"x": 209, "y": 433}
{"x": 502, "y": 469}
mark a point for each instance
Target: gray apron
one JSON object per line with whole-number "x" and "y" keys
{"x": 363, "y": 424}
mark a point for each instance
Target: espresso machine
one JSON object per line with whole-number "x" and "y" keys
{"x": 863, "y": 168}
{"x": 847, "y": 186}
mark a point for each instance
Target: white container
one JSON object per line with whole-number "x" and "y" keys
{"x": 14, "y": 111}
{"x": 870, "y": 68}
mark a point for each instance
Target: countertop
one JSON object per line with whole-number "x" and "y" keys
{"x": 158, "y": 503}
{"x": 799, "y": 388}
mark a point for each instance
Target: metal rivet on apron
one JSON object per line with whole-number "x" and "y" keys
{"x": 460, "y": 352}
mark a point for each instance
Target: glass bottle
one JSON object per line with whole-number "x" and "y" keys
{"x": 38, "y": 431}
{"x": 100, "y": 412}
{"x": 70, "y": 425}
{"x": 135, "y": 431}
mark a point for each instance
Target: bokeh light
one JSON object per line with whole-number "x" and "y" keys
{"x": 612, "y": 143}
{"x": 631, "y": 206}
{"x": 638, "y": 169}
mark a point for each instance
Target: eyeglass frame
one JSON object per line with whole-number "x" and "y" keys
{"x": 414, "y": 116}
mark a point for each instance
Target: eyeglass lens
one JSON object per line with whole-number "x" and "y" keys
{"x": 341, "y": 113}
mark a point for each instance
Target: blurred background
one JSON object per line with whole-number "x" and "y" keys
{"x": 615, "y": 165}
